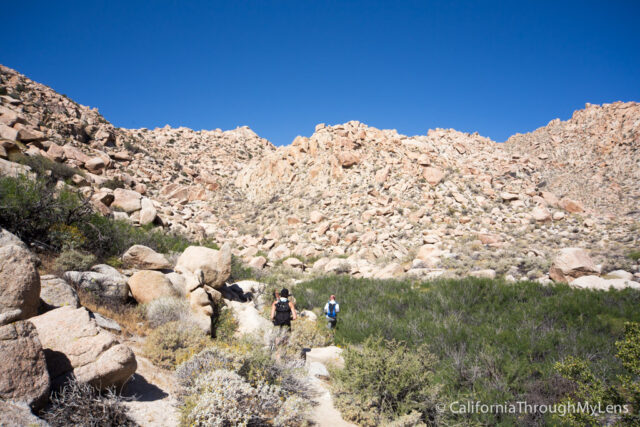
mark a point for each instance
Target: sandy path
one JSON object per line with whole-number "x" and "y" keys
{"x": 325, "y": 414}
{"x": 154, "y": 389}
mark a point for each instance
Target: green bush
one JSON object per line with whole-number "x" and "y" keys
{"x": 224, "y": 325}
{"x": 494, "y": 341}
{"x": 74, "y": 260}
{"x": 173, "y": 343}
{"x": 113, "y": 184}
{"x": 47, "y": 168}
{"x": 634, "y": 255}
{"x": 386, "y": 380}
{"x": 38, "y": 213}
{"x": 624, "y": 390}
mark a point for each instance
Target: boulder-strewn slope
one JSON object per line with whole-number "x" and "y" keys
{"x": 594, "y": 156}
{"x": 361, "y": 200}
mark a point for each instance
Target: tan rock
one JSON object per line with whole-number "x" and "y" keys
{"x": 19, "y": 284}
{"x": 75, "y": 345}
{"x": 149, "y": 285}
{"x": 571, "y": 206}
{"x": 541, "y": 214}
{"x": 29, "y": 135}
{"x": 126, "y": 200}
{"x": 347, "y": 159}
{"x": 7, "y": 132}
{"x": 390, "y": 271}
{"x": 95, "y": 165}
{"x": 433, "y": 175}
{"x": 148, "y": 212}
{"x": 278, "y": 253}
{"x": 316, "y": 217}
{"x": 489, "y": 239}
{"x": 550, "y": 199}
{"x": 56, "y": 292}
{"x": 23, "y": 371}
{"x": 142, "y": 257}
{"x": 571, "y": 263}
{"x": 257, "y": 262}
{"x": 214, "y": 265}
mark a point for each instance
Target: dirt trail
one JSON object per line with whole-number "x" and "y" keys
{"x": 155, "y": 390}
{"x": 325, "y": 414}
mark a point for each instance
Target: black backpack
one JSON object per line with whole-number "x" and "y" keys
{"x": 283, "y": 313}
{"x": 331, "y": 311}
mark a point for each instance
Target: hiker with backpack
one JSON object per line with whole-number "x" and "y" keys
{"x": 331, "y": 310}
{"x": 283, "y": 311}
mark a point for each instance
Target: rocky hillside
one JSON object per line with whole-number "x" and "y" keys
{"x": 594, "y": 157}
{"x": 352, "y": 198}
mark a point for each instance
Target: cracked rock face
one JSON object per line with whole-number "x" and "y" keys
{"x": 19, "y": 284}
{"x": 23, "y": 372}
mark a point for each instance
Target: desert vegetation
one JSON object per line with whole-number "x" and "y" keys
{"x": 490, "y": 341}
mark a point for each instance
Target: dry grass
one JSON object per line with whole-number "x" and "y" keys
{"x": 129, "y": 316}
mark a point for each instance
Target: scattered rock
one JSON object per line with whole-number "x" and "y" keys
{"x": 126, "y": 200}
{"x": 571, "y": 263}
{"x": 142, "y": 257}
{"x": 105, "y": 281}
{"x": 56, "y": 292}
{"x": 12, "y": 415}
{"x": 148, "y": 285}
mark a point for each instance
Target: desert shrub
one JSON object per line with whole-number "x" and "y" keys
{"x": 224, "y": 325}
{"x": 623, "y": 392}
{"x": 79, "y": 404}
{"x": 304, "y": 334}
{"x": 223, "y": 398}
{"x": 74, "y": 260}
{"x": 165, "y": 310}
{"x": 494, "y": 341}
{"x": 47, "y": 168}
{"x": 114, "y": 183}
{"x": 239, "y": 271}
{"x": 173, "y": 343}
{"x": 60, "y": 219}
{"x": 634, "y": 255}
{"x": 32, "y": 209}
{"x": 242, "y": 384}
{"x": 388, "y": 380}
{"x": 251, "y": 361}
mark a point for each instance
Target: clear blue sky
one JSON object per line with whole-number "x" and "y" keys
{"x": 280, "y": 67}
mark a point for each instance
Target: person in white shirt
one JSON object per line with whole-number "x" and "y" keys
{"x": 331, "y": 310}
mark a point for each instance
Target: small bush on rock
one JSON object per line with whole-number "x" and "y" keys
{"x": 173, "y": 343}
{"x": 79, "y": 404}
